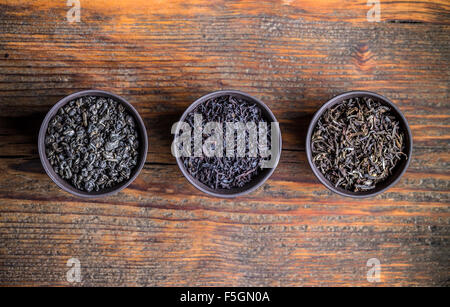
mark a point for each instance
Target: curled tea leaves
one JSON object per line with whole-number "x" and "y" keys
{"x": 357, "y": 144}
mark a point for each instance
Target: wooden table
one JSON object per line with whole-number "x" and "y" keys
{"x": 161, "y": 55}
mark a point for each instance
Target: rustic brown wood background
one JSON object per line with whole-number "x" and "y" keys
{"x": 162, "y": 55}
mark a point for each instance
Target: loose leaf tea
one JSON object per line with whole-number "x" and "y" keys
{"x": 357, "y": 143}
{"x": 92, "y": 142}
{"x": 226, "y": 172}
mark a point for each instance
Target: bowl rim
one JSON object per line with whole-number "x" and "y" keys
{"x": 262, "y": 179}
{"x": 63, "y": 184}
{"x": 335, "y": 100}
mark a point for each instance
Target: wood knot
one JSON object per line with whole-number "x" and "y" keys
{"x": 363, "y": 57}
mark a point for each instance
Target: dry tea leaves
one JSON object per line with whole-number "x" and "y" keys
{"x": 92, "y": 143}
{"x": 226, "y": 172}
{"x": 357, "y": 144}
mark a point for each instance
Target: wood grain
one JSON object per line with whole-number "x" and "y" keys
{"x": 161, "y": 56}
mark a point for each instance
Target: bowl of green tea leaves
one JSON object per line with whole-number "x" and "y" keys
{"x": 359, "y": 144}
{"x": 93, "y": 143}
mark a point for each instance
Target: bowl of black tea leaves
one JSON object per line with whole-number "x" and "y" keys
{"x": 93, "y": 143}
{"x": 359, "y": 144}
{"x": 228, "y": 143}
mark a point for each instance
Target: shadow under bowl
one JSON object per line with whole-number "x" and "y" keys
{"x": 66, "y": 186}
{"x": 399, "y": 169}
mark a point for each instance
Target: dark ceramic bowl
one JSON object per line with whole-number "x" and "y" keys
{"x": 63, "y": 184}
{"x": 398, "y": 171}
{"x": 260, "y": 178}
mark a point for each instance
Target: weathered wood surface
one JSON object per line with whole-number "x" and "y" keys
{"x": 161, "y": 56}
